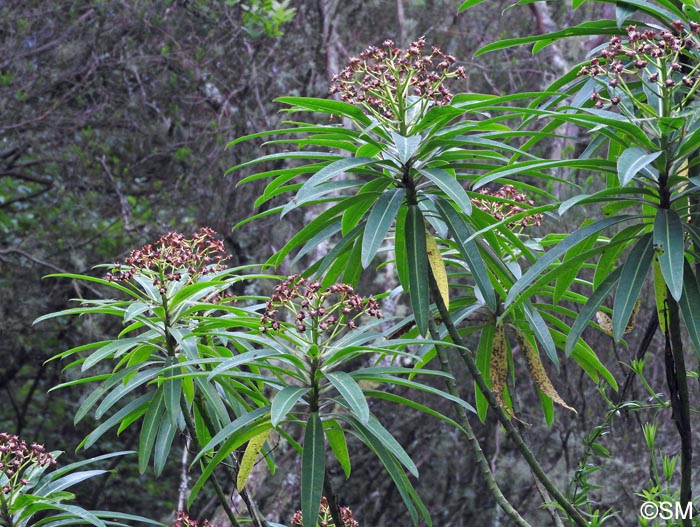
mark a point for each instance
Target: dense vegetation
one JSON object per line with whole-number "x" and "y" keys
{"x": 480, "y": 292}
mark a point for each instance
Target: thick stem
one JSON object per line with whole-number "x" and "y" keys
{"x": 463, "y": 420}
{"x": 313, "y": 407}
{"x": 503, "y": 418}
{"x": 677, "y": 379}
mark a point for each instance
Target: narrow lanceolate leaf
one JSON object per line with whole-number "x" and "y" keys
{"x": 467, "y": 247}
{"x": 633, "y": 161}
{"x": 557, "y": 251}
{"x": 284, "y": 401}
{"x": 417, "y": 257}
{"x": 498, "y": 366}
{"x": 328, "y": 172}
{"x": 352, "y": 393}
{"x": 450, "y": 186}
{"x": 469, "y": 3}
{"x": 250, "y": 455}
{"x": 149, "y": 429}
{"x": 690, "y": 306}
{"x": 379, "y": 221}
{"x": 632, "y": 278}
{"x": 669, "y": 247}
{"x": 313, "y": 467}
{"x": 172, "y": 390}
{"x": 164, "y": 441}
{"x": 437, "y": 267}
{"x": 336, "y": 439}
{"x": 537, "y": 371}
{"x": 590, "y": 309}
{"x": 483, "y": 359}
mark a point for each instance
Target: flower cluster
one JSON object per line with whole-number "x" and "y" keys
{"x": 172, "y": 255}
{"x": 506, "y": 205}
{"x": 325, "y": 519}
{"x": 330, "y": 309}
{"x": 183, "y": 520}
{"x": 655, "y": 56}
{"x": 16, "y": 456}
{"x": 381, "y": 79}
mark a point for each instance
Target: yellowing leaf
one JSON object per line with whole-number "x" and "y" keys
{"x": 498, "y": 366}
{"x": 249, "y": 457}
{"x": 633, "y": 317}
{"x": 437, "y": 266}
{"x": 604, "y": 322}
{"x": 537, "y": 371}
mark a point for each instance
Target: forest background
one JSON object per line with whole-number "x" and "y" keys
{"x": 114, "y": 118}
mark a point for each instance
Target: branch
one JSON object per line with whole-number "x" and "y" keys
{"x": 482, "y": 462}
{"x": 503, "y": 418}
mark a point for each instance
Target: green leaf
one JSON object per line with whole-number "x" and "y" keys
{"x": 469, "y": 3}
{"x": 541, "y": 332}
{"x": 389, "y": 461}
{"x": 623, "y": 12}
{"x": 670, "y": 248}
{"x": 172, "y": 390}
{"x": 328, "y": 172}
{"x": 116, "y": 347}
{"x": 462, "y": 234}
{"x": 388, "y": 440}
{"x": 632, "y": 279}
{"x": 564, "y": 281}
{"x": 483, "y": 361}
{"x": 313, "y": 467}
{"x": 149, "y": 429}
{"x": 599, "y": 27}
{"x": 590, "y": 308}
{"x": 633, "y": 161}
{"x": 557, "y": 251}
{"x": 328, "y": 106}
{"x": 379, "y": 221}
{"x": 417, "y": 258}
{"x": 405, "y": 146}
{"x": 351, "y": 392}
{"x": 450, "y": 186}
{"x": 164, "y": 441}
{"x": 117, "y": 394}
{"x": 135, "y": 406}
{"x": 336, "y": 439}
{"x": 67, "y": 481}
{"x": 690, "y": 306}
{"x": 284, "y": 401}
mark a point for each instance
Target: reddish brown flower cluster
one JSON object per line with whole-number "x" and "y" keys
{"x": 183, "y": 520}
{"x": 325, "y": 519}
{"x": 502, "y": 210}
{"x": 656, "y": 56}
{"x": 16, "y": 456}
{"x": 173, "y": 255}
{"x": 309, "y": 305}
{"x": 380, "y": 79}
